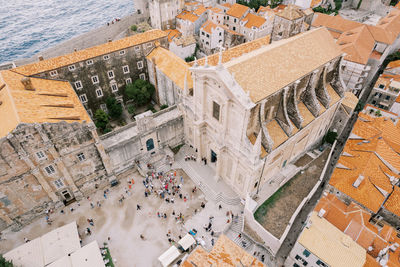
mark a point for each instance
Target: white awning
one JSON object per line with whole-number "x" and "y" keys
{"x": 169, "y": 256}
{"x": 187, "y": 241}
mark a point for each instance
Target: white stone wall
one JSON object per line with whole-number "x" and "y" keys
{"x": 213, "y": 40}
{"x": 163, "y": 13}
{"x": 354, "y": 75}
{"x": 186, "y": 27}
{"x": 182, "y": 51}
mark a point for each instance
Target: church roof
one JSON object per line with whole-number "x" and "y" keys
{"x": 50, "y": 101}
{"x": 268, "y": 69}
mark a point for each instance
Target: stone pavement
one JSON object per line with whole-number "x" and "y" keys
{"x": 95, "y": 37}
{"x": 204, "y": 177}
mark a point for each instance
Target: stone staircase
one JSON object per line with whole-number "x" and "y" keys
{"x": 208, "y": 192}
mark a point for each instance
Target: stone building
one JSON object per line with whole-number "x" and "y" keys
{"x": 291, "y": 21}
{"x": 234, "y": 15}
{"x": 385, "y": 92}
{"x": 366, "y": 46}
{"x": 100, "y": 71}
{"x": 211, "y": 37}
{"x": 163, "y": 13}
{"x": 250, "y": 123}
{"x": 49, "y": 149}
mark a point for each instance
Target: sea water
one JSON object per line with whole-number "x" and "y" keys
{"x": 30, "y": 26}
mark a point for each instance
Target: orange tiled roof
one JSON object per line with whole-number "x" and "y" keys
{"x": 237, "y": 10}
{"x": 186, "y": 15}
{"x": 335, "y": 23}
{"x": 51, "y": 101}
{"x": 227, "y": 5}
{"x": 235, "y": 51}
{"x": 393, "y": 64}
{"x": 216, "y": 10}
{"x": 353, "y": 220}
{"x": 224, "y": 253}
{"x": 208, "y": 26}
{"x": 358, "y": 43}
{"x": 253, "y": 21}
{"x": 200, "y": 10}
{"x": 393, "y": 202}
{"x": 85, "y": 54}
{"x": 391, "y": 26}
{"x": 291, "y": 12}
{"x": 315, "y": 3}
{"x": 172, "y": 33}
{"x": 374, "y": 145}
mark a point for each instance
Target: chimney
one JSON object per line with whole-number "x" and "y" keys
{"x": 26, "y": 81}
{"x": 40, "y": 58}
{"x": 357, "y": 183}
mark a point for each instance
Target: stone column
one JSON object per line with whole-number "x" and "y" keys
{"x": 45, "y": 185}
{"x": 219, "y": 165}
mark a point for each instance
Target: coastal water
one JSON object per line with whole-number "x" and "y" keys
{"x": 30, "y": 26}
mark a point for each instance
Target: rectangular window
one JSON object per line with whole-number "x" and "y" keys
{"x": 78, "y": 85}
{"x": 50, "y": 169}
{"x": 125, "y": 69}
{"x": 202, "y": 33}
{"x": 216, "y": 110}
{"x": 321, "y": 263}
{"x": 149, "y": 45}
{"x": 89, "y": 62}
{"x": 137, "y": 48}
{"x": 104, "y": 108}
{"x": 122, "y": 52}
{"x": 71, "y": 68}
{"x": 95, "y": 79}
{"x": 128, "y": 81}
{"x": 40, "y": 155}
{"x": 53, "y": 73}
{"x": 142, "y": 76}
{"x": 89, "y": 111}
{"x": 99, "y": 92}
{"x": 83, "y": 98}
{"x": 114, "y": 88}
{"x": 58, "y": 183}
{"x": 140, "y": 65}
{"x": 381, "y": 86}
{"x": 106, "y": 57}
{"x": 81, "y": 156}
{"x": 110, "y": 74}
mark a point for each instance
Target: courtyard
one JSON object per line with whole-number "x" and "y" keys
{"x": 275, "y": 213}
{"x": 123, "y": 223}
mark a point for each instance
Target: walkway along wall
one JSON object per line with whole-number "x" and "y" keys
{"x": 144, "y": 138}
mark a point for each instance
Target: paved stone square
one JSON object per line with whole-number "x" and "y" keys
{"x": 124, "y": 224}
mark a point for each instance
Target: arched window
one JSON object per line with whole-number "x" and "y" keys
{"x": 150, "y": 144}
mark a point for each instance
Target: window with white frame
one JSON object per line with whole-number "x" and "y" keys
{"x": 95, "y": 79}
{"x": 142, "y": 76}
{"x": 149, "y": 45}
{"x": 99, "y": 92}
{"x": 83, "y": 98}
{"x": 50, "y": 170}
{"x": 78, "y": 85}
{"x": 137, "y": 48}
{"x": 89, "y": 62}
{"x": 125, "y": 69}
{"x": 58, "y": 183}
{"x": 40, "y": 155}
{"x": 140, "y": 64}
{"x": 104, "y": 108}
{"x": 53, "y": 73}
{"x": 106, "y": 57}
{"x": 128, "y": 81}
{"x": 81, "y": 156}
{"x": 89, "y": 111}
{"x": 110, "y": 74}
{"x": 122, "y": 52}
{"x": 114, "y": 87}
{"x": 71, "y": 68}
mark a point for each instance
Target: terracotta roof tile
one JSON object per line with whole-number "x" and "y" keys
{"x": 172, "y": 34}
{"x": 393, "y": 202}
{"x": 253, "y": 21}
{"x": 51, "y": 101}
{"x": 208, "y": 26}
{"x": 82, "y": 55}
{"x": 186, "y": 15}
{"x": 276, "y": 132}
{"x": 317, "y": 48}
{"x": 235, "y": 51}
{"x": 336, "y": 23}
{"x": 237, "y": 10}
{"x": 291, "y": 12}
{"x": 200, "y": 10}
{"x": 172, "y": 66}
